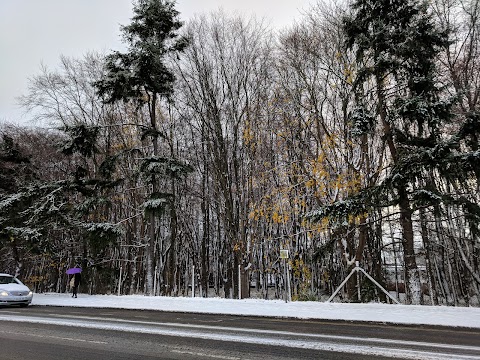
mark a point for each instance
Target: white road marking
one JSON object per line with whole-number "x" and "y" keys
{"x": 404, "y": 343}
{"x": 398, "y": 351}
{"x": 206, "y": 355}
{"x": 53, "y": 337}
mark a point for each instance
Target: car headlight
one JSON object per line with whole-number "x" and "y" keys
{"x": 4, "y": 293}
{"x": 30, "y": 293}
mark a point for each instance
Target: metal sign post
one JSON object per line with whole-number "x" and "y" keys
{"x": 239, "y": 283}
{"x": 284, "y": 256}
{"x": 193, "y": 281}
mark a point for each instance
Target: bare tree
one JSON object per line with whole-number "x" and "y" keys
{"x": 223, "y": 78}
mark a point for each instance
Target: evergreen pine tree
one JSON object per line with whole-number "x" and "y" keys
{"x": 16, "y": 171}
{"x": 399, "y": 45}
{"x": 141, "y": 75}
{"x": 34, "y": 208}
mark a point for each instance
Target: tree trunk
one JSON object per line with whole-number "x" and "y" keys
{"x": 150, "y": 266}
{"x": 171, "y": 255}
{"x": 430, "y": 275}
{"x": 412, "y": 275}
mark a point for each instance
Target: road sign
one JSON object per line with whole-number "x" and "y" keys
{"x": 283, "y": 254}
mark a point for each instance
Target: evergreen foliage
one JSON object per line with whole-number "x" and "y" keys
{"x": 141, "y": 76}
{"x": 141, "y": 73}
{"x": 399, "y": 45}
{"x": 40, "y": 209}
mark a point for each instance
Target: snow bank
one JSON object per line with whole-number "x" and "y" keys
{"x": 400, "y": 314}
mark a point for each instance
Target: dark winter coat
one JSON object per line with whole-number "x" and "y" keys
{"x": 77, "y": 278}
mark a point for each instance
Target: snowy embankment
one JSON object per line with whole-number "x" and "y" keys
{"x": 399, "y": 314}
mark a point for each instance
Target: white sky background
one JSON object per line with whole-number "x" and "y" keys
{"x": 39, "y": 31}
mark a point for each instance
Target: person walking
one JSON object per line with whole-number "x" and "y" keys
{"x": 77, "y": 277}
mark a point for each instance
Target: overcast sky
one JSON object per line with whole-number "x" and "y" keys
{"x": 39, "y": 31}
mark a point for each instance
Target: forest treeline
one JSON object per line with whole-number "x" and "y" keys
{"x": 205, "y": 148}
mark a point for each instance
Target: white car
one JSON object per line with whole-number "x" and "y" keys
{"x": 13, "y": 292}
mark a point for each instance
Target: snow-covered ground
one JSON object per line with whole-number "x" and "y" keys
{"x": 400, "y": 314}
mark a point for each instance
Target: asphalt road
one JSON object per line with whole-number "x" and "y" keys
{"x": 52, "y": 333}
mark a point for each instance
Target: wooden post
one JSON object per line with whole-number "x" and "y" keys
{"x": 239, "y": 283}
{"x": 120, "y": 280}
{"x": 193, "y": 281}
{"x": 359, "y": 295}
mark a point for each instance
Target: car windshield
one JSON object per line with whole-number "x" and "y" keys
{"x": 7, "y": 280}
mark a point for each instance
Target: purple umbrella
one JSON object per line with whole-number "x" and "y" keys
{"x": 74, "y": 270}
